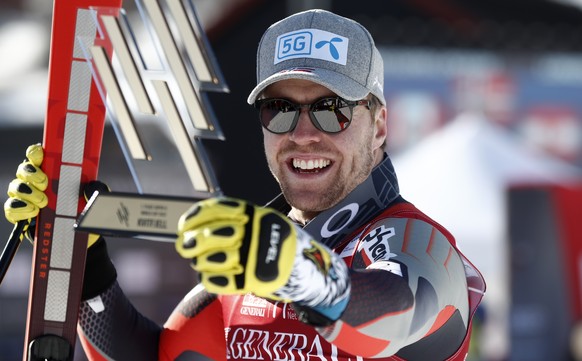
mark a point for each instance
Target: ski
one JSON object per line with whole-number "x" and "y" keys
{"x": 72, "y": 137}
{"x": 85, "y": 84}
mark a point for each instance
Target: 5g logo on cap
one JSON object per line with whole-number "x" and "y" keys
{"x": 312, "y": 43}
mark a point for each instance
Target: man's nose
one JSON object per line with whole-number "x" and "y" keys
{"x": 305, "y": 131}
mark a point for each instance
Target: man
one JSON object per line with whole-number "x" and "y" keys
{"x": 352, "y": 272}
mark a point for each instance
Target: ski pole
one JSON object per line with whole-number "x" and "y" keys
{"x": 11, "y": 247}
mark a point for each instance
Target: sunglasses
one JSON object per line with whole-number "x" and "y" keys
{"x": 330, "y": 115}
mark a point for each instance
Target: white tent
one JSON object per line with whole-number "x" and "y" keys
{"x": 459, "y": 176}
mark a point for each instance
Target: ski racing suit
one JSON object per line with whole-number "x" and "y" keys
{"x": 413, "y": 296}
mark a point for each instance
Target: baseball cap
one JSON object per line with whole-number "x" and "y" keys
{"x": 322, "y": 47}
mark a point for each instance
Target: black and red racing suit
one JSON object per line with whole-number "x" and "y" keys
{"x": 413, "y": 297}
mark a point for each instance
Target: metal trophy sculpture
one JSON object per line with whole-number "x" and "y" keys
{"x": 169, "y": 94}
{"x": 99, "y": 70}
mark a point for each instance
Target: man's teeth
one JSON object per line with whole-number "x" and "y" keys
{"x": 310, "y": 164}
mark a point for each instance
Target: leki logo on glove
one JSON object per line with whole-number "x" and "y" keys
{"x": 312, "y": 43}
{"x": 155, "y": 86}
{"x": 273, "y": 234}
{"x": 273, "y": 250}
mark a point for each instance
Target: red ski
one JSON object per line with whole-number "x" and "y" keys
{"x": 72, "y": 139}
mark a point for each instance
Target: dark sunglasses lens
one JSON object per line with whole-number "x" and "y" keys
{"x": 277, "y": 115}
{"x": 333, "y": 115}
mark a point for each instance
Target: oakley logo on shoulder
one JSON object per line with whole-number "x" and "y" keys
{"x": 312, "y": 43}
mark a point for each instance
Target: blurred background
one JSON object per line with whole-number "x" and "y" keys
{"x": 485, "y": 104}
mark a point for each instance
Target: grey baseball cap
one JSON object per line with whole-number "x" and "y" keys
{"x": 322, "y": 47}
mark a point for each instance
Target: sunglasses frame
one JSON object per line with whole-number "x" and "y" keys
{"x": 351, "y": 104}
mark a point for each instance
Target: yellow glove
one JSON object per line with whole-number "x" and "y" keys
{"x": 26, "y": 192}
{"x": 238, "y": 248}
{"x": 232, "y": 251}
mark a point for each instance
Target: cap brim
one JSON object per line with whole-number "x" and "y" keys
{"x": 336, "y": 82}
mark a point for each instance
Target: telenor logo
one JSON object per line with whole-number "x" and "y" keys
{"x": 312, "y": 43}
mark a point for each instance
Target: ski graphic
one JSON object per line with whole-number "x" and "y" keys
{"x": 73, "y": 132}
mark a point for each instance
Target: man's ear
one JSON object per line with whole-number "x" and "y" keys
{"x": 381, "y": 126}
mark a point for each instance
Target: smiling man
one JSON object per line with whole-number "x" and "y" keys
{"x": 315, "y": 168}
{"x": 338, "y": 267}
{"x": 404, "y": 293}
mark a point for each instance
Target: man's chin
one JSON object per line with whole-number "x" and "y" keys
{"x": 312, "y": 202}
{"x": 305, "y": 201}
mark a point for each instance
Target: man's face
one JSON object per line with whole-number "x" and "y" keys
{"x": 315, "y": 169}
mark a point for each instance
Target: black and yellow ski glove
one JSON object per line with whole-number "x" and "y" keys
{"x": 238, "y": 248}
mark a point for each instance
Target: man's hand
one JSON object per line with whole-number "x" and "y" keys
{"x": 239, "y": 248}
{"x": 26, "y": 191}
{"x": 236, "y": 247}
